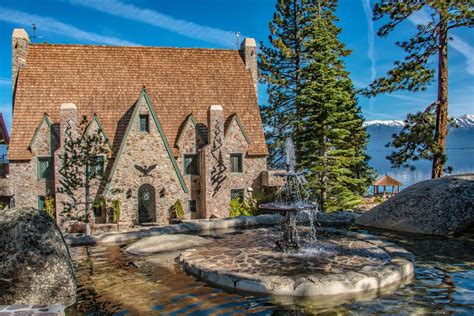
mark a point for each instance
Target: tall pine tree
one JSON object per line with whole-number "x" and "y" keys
{"x": 424, "y": 133}
{"x": 330, "y": 137}
{"x": 281, "y": 68}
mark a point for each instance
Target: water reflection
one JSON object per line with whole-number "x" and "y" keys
{"x": 113, "y": 282}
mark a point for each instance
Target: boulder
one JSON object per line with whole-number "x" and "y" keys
{"x": 35, "y": 265}
{"x": 438, "y": 207}
{"x": 163, "y": 243}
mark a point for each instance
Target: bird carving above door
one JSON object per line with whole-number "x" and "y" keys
{"x": 145, "y": 170}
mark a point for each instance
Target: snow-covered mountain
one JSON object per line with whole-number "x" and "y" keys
{"x": 381, "y": 131}
{"x": 465, "y": 121}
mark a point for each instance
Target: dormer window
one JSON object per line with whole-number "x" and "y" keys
{"x": 144, "y": 121}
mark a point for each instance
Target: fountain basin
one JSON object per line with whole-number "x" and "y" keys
{"x": 338, "y": 263}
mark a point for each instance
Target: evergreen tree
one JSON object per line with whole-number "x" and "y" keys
{"x": 330, "y": 137}
{"x": 424, "y": 134}
{"x": 81, "y": 168}
{"x": 281, "y": 68}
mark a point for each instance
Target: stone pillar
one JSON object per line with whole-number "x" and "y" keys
{"x": 248, "y": 51}
{"x": 20, "y": 43}
{"x": 67, "y": 117}
{"x": 214, "y": 173}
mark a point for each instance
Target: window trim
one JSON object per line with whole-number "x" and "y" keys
{"x": 147, "y": 116}
{"x": 38, "y": 168}
{"x": 197, "y": 165}
{"x": 241, "y": 155}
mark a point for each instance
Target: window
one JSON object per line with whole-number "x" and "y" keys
{"x": 144, "y": 123}
{"x": 191, "y": 166}
{"x": 236, "y": 163}
{"x": 237, "y": 194}
{"x": 96, "y": 168}
{"x": 192, "y": 206}
{"x": 41, "y": 202}
{"x": 45, "y": 168}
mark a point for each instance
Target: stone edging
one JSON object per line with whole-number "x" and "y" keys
{"x": 399, "y": 269}
{"x": 186, "y": 226}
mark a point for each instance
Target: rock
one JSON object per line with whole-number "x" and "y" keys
{"x": 438, "y": 207}
{"x": 338, "y": 218}
{"x": 162, "y": 243}
{"x": 35, "y": 265}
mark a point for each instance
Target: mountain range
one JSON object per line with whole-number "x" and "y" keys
{"x": 381, "y": 131}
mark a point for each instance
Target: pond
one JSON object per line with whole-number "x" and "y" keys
{"x": 110, "y": 281}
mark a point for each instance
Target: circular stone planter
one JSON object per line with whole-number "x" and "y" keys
{"x": 340, "y": 262}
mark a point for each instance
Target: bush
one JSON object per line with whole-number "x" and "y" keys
{"x": 116, "y": 211}
{"x": 177, "y": 210}
{"x": 49, "y": 206}
{"x": 239, "y": 207}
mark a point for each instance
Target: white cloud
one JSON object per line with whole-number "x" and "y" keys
{"x": 409, "y": 98}
{"x": 371, "y": 38}
{"x": 457, "y": 43}
{"x": 5, "y": 81}
{"x": 151, "y": 17}
{"x": 54, "y": 26}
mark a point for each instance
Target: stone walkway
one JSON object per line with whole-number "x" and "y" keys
{"x": 338, "y": 262}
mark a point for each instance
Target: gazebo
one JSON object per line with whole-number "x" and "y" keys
{"x": 386, "y": 181}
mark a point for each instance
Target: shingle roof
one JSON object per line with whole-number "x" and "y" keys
{"x": 107, "y": 81}
{"x": 387, "y": 180}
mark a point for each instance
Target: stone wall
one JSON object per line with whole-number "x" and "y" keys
{"x": 145, "y": 149}
{"x": 27, "y": 187}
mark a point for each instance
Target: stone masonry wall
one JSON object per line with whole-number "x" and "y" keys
{"x": 24, "y": 178}
{"x": 190, "y": 142}
{"x": 145, "y": 149}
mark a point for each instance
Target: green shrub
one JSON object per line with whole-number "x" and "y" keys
{"x": 116, "y": 207}
{"x": 49, "y": 206}
{"x": 177, "y": 210}
{"x": 239, "y": 207}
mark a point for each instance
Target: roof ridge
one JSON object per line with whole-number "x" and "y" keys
{"x": 132, "y": 47}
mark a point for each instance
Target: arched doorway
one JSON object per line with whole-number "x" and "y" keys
{"x": 146, "y": 204}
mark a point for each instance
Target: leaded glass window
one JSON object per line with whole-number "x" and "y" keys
{"x": 237, "y": 194}
{"x": 96, "y": 168}
{"x": 144, "y": 123}
{"x": 45, "y": 168}
{"x": 191, "y": 166}
{"x": 236, "y": 163}
{"x": 192, "y": 207}
{"x": 41, "y": 202}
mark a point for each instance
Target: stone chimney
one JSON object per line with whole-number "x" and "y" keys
{"x": 20, "y": 43}
{"x": 67, "y": 116}
{"x": 248, "y": 51}
{"x": 214, "y": 182}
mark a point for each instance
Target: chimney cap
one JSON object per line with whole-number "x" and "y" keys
{"x": 249, "y": 42}
{"x": 68, "y": 106}
{"x": 20, "y": 33}
{"x": 216, "y": 107}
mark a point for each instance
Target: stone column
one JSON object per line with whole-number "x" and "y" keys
{"x": 248, "y": 51}
{"x": 214, "y": 173}
{"x": 20, "y": 43}
{"x": 67, "y": 117}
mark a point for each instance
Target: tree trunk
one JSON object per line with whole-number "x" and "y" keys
{"x": 439, "y": 156}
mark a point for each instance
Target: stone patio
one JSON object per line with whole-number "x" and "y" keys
{"x": 339, "y": 262}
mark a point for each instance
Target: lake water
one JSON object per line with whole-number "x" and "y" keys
{"x": 462, "y": 161}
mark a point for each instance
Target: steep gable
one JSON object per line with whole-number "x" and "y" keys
{"x": 144, "y": 148}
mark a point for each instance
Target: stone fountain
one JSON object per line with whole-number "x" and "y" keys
{"x": 291, "y": 201}
{"x": 340, "y": 264}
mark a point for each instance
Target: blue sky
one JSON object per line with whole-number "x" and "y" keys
{"x": 212, "y": 23}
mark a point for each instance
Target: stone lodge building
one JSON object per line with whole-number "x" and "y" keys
{"x": 181, "y": 124}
